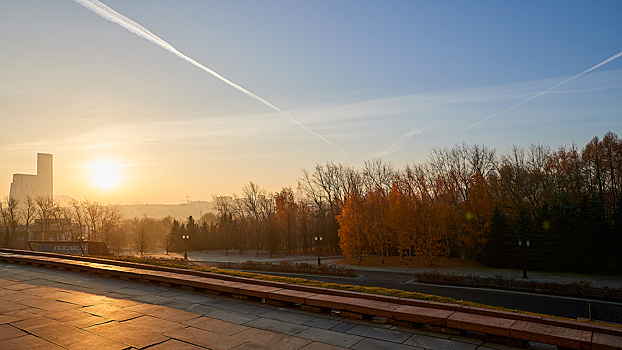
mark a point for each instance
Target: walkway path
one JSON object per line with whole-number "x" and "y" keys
{"x": 50, "y": 309}
{"x": 561, "y": 277}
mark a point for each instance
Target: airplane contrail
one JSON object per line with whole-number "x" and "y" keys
{"x": 113, "y": 16}
{"x": 543, "y": 92}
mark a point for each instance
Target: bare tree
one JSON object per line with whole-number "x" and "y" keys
{"x": 11, "y": 220}
{"x": 47, "y": 206}
{"x": 93, "y": 212}
{"x": 142, "y": 241}
{"x": 378, "y": 176}
{"x": 169, "y": 241}
{"x": 80, "y": 216}
{"x": 29, "y": 214}
{"x": 110, "y": 224}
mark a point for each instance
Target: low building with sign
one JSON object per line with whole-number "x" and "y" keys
{"x": 70, "y": 247}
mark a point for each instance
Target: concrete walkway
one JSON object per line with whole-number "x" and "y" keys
{"x": 50, "y": 309}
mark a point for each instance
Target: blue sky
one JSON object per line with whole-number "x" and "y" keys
{"x": 388, "y": 79}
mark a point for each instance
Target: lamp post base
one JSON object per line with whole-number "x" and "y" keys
{"x": 186, "y": 256}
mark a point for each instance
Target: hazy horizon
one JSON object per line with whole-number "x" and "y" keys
{"x": 128, "y": 121}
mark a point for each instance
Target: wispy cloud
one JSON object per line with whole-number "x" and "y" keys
{"x": 542, "y": 92}
{"x": 115, "y": 17}
{"x": 379, "y": 127}
{"x": 398, "y": 144}
{"x": 452, "y": 109}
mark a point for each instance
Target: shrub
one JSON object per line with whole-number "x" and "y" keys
{"x": 582, "y": 289}
{"x": 288, "y": 266}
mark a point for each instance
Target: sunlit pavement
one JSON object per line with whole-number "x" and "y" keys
{"x": 49, "y": 309}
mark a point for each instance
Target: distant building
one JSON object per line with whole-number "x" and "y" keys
{"x": 39, "y": 185}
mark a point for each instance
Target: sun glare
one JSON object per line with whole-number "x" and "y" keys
{"x": 105, "y": 175}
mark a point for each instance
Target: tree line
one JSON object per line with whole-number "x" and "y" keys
{"x": 46, "y": 218}
{"x": 468, "y": 202}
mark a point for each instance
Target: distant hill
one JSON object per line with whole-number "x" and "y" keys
{"x": 157, "y": 211}
{"x": 176, "y": 211}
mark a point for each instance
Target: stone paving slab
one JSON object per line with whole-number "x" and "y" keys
{"x": 111, "y": 312}
{"x": 198, "y": 309}
{"x": 8, "y": 319}
{"x": 232, "y": 316}
{"x": 380, "y": 333}
{"x": 127, "y": 334}
{"x": 428, "y": 342}
{"x": 173, "y": 344}
{"x": 9, "y": 332}
{"x": 321, "y": 346}
{"x": 215, "y": 325}
{"x": 153, "y": 324}
{"x": 330, "y": 337}
{"x": 276, "y": 326}
{"x": 493, "y": 346}
{"x": 75, "y": 318}
{"x": 66, "y": 336}
{"x": 288, "y": 316}
{"x": 374, "y": 344}
{"x": 47, "y": 304}
{"x": 80, "y": 299}
{"x": 28, "y": 342}
{"x": 459, "y": 338}
{"x": 343, "y": 327}
{"x": 240, "y": 306}
{"x": 322, "y": 323}
{"x": 205, "y": 338}
{"x": 23, "y": 314}
{"x": 273, "y": 340}
{"x": 166, "y": 313}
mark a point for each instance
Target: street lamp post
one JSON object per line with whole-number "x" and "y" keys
{"x": 524, "y": 247}
{"x": 185, "y": 238}
{"x": 81, "y": 239}
{"x": 318, "y": 242}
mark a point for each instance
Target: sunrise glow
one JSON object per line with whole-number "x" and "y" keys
{"x": 105, "y": 175}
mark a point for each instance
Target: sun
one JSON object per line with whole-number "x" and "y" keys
{"x": 105, "y": 175}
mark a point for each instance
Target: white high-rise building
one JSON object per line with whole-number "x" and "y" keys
{"x": 39, "y": 185}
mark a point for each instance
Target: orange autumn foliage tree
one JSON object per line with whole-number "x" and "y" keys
{"x": 401, "y": 218}
{"x": 285, "y": 217}
{"x": 435, "y": 218}
{"x": 352, "y": 238}
{"x": 376, "y": 228}
{"x": 477, "y": 215}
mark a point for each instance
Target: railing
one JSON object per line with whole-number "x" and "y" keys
{"x": 606, "y": 312}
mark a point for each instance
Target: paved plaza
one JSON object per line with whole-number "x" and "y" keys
{"x": 50, "y": 309}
